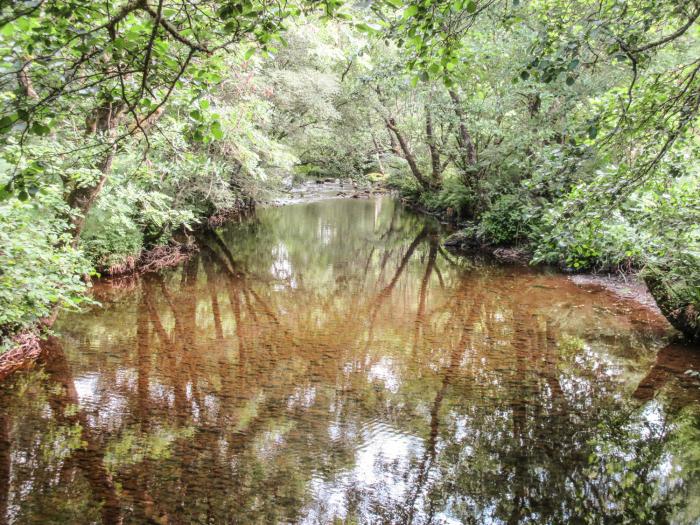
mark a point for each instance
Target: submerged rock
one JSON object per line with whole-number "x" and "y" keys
{"x": 462, "y": 240}
{"x": 680, "y": 311}
{"x": 511, "y": 255}
{"x": 466, "y": 241}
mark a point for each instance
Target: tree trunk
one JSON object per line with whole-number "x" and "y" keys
{"x": 82, "y": 198}
{"x": 467, "y": 156}
{"x": 103, "y": 120}
{"x": 408, "y": 155}
{"x": 25, "y": 83}
{"x": 377, "y": 153}
{"x": 467, "y": 149}
{"x": 392, "y": 139}
{"x": 683, "y": 317}
{"x": 432, "y": 147}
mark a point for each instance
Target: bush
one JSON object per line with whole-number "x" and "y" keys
{"x": 111, "y": 237}
{"x": 456, "y": 196}
{"x": 38, "y": 266}
{"x": 590, "y": 244}
{"x": 132, "y": 219}
{"x": 505, "y": 222}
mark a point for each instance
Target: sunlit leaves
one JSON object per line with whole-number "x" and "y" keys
{"x": 411, "y": 10}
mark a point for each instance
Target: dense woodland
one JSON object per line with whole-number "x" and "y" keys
{"x": 565, "y": 128}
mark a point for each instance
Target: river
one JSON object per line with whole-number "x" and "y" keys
{"x": 330, "y": 362}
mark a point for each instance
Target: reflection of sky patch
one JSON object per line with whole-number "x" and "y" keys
{"x": 281, "y": 267}
{"x": 86, "y": 388}
{"x": 381, "y": 464}
{"x": 126, "y": 378}
{"x": 383, "y": 372}
{"x": 302, "y": 398}
{"x": 161, "y": 392}
{"x": 326, "y": 233}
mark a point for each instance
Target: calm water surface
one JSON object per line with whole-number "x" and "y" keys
{"x": 331, "y": 363}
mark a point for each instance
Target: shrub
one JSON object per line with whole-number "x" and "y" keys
{"x": 38, "y": 266}
{"x": 505, "y": 222}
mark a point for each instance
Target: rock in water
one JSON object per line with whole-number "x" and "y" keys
{"x": 462, "y": 240}
{"x": 511, "y": 255}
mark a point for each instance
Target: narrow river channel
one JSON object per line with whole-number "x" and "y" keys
{"x": 330, "y": 362}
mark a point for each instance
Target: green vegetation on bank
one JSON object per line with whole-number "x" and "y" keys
{"x": 568, "y": 128}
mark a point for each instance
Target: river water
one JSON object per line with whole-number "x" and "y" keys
{"x": 329, "y": 362}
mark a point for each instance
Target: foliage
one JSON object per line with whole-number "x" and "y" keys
{"x": 36, "y": 270}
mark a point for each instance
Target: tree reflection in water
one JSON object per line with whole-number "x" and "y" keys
{"x": 330, "y": 361}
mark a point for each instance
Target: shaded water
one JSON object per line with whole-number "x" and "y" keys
{"x": 331, "y": 363}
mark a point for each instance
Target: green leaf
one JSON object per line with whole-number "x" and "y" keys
{"x": 570, "y": 80}
{"x": 216, "y": 130}
{"x": 471, "y": 7}
{"x": 249, "y": 53}
{"x": 411, "y": 10}
{"x": 366, "y": 28}
{"x": 6, "y": 124}
{"x": 40, "y": 129}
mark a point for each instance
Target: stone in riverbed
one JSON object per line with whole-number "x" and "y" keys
{"x": 511, "y": 255}
{"x": 462, "y": 240}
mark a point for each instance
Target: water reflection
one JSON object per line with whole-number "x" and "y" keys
{"x": 330, "y": 362}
